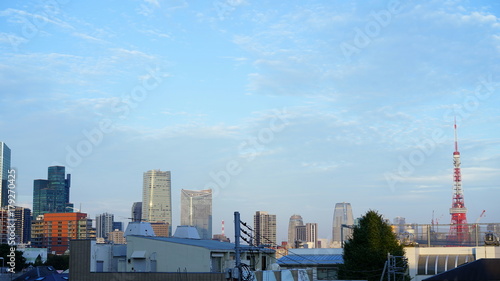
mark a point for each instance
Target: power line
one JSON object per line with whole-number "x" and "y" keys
{"x": 277, "y": 246}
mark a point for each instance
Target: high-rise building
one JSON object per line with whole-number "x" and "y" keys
{"x": 52, "y": 195}
{"x": 342, "y": 216}
{"x": 118, "y": 225}
{"x": 60, "y": 228}
{"x": 312, "y": 234}
{"x": 196, "y": 210}
{"x": 4, "y": 223}
{"x": 157, "y": 197}
{"x": 300, "y": 236}
{"x": 295, "y": 220}
{"x": 104, "y": 225}
{"x": 399, "y": 224}
{"x": 23, "y": 225}
{"x": 265, "y": 229}
{"x": 136, "y": 211}
{"x": 4, "y": 173}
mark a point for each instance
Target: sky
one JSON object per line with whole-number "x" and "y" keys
{"x": 281, "y": 106}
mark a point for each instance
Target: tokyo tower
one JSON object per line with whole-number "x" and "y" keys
{"x": 459, "y": 231}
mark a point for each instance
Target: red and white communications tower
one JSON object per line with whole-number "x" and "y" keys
{"x": 459, "y": 231}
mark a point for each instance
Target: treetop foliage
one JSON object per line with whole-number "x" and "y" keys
{"x": 366, "y": 251}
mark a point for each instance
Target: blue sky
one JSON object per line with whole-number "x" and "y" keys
{"x": 286, "y": 107}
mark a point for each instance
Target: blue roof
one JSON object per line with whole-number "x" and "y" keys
{"x": 310, "y": 260}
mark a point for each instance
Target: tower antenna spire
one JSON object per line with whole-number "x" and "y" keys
{"x": 456, "y": 139}
{"x": 459, "y": 230}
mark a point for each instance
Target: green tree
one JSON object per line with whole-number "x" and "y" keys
{"x": 38, "y": 261}
{"x": 20, "y": 261}
{"x": 59, "y": 262}
{"x": 366, "y": 251}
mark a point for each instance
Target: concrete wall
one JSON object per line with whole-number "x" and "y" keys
{"x": 32, "y": 253}
{"x": 80, "y": 260}
{"x": 413, "y": 253}
{"x": 170, "y": 257}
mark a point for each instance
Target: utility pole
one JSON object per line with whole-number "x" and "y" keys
{"x": 237, "y": 249}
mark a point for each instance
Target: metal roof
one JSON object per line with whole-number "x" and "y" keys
{"x": 208, "y": 244}
{"x": 45, "y": 273}
{"x": 310, "y": 260}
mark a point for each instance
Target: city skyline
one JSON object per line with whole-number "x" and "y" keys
{"x": 284, "y": 107}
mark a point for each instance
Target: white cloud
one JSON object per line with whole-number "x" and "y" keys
{"x": 88, "y": 37}
{"x": 155, "y": 3}
{"x": 33, "y": 20}
{"x": 481, "y": 18}
{"x": 121, "y": 52}
{"x": 11, "y": 40}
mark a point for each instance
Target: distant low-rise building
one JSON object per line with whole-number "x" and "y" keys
{"x": 161, "y": 229}
{"x": 37, "y": 232}
{"x": 221, "y": 237}
{"x": 324, "y": 262}
{"x": 117, "y": 237}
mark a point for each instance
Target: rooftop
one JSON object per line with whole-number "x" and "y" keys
{"x": 310, "y": 260}
{"x": 208, "y": 244}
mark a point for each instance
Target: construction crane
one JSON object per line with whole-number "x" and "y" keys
{"x": 474, "y": 226}
{"x": 480, "y": 216}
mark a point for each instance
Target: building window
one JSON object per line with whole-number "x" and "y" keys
{"x": 326, "y": 273}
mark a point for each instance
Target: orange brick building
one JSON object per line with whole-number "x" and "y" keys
{"x": 59, "y": 228}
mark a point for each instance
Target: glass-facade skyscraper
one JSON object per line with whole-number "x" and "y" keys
{"x": 136, "y": 211}
{"x": 52, "y": 195}
{"x": 157, "y": 197}
{"x": 4, "y": 174}
{"x": 295, "y": 220}
{"x": 196, "y": 210}
{"x": 342, "y": 216}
